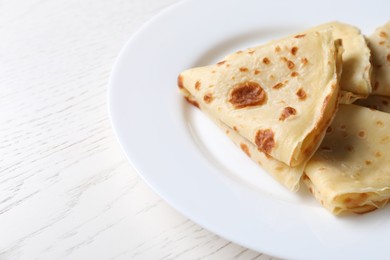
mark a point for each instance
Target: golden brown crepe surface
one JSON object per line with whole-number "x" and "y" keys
{"x": 280, "y": 96}
{"x": 349, "y": 171}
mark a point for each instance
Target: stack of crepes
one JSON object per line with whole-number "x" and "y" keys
{"x": 288, "y": 105}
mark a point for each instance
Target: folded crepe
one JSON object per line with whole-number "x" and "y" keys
{"x": 349, "y": 171}
{"x": 379, "y": 44}
{"x": 288, "y": 176}
{"x": 355, "y": 82}
{"x": 280, "y": 97}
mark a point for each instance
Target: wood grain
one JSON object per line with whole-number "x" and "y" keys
{"x": 66, "y": 189}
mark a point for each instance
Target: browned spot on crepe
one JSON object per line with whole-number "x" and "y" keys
{"x": 301, "y": 94}
{"x": 362, "y": 134}
{"x": 294, "y": 50}
{"x": 197, "y": 85}
{"x": 299, "y": 35}
{"x": 383, "y": 34}
{"x": 379, "y": 123}
{"x": 266, "y": 61}
{"x": 245, "y": 148}
{"x": 294, "y": 74}
{"x": 180, "y": 82}
{"x": 287, "y": 112}
{"x": 247, "y": 94}
{"x": 208, "y": 98}
{"x": 290, "y": 64}
{"x": 265, "y": 140}
{"x": 278, "y": 85}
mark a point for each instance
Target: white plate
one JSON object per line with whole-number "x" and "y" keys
{"x": 193, "y": 165}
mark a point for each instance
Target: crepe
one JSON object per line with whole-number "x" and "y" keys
{"x": 379, "y": 44}
{"x": 381, "y": 103}
{"x": 288, "y": 176}
{"x": 280, "y": 96}
{"x": 350, "y": 172}
{"x": 355, "y": 81}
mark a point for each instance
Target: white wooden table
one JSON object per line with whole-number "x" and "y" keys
{"x": 66, "y": 189}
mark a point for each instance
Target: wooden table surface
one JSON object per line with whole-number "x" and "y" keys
{"x": 66, "y": 188}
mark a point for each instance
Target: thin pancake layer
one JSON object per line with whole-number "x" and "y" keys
{"x": 288, "y": 176}
{"x": 280, "y": 96}
{"x": 356, "y": 75}
{"x": 379, "y": 44}
{"x": 349, "y": 171}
